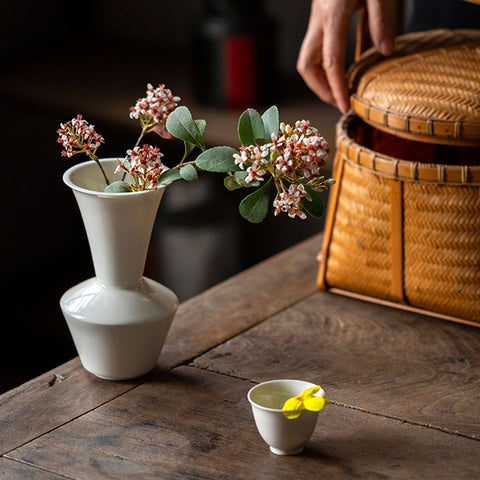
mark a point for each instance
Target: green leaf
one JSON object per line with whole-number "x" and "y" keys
{"x": 202, "y": 125}
{"x": 217, "y": 159}
{"x": 189, "y": 173}
{"x": 170, "y": 176}
{"x": 315, "y": 207}
{"x": 232, "y": 183}
{"x": 254, "y": 207}
{"x": 117, "y": 187}
{"x": 271, "y": 121}
{"x": 250, "y": 127}
{"x": 237, "y": 180}
{"x": 241, "y": 174}
{"x": 181, "y": 125}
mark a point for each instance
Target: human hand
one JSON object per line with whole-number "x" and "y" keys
{"x": 322, "y": 54}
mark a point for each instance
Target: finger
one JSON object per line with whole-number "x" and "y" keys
{"x": 310, "y": 67}
{"x": 334, "y": 50}
{"x": 380, "y": 23}
{"x": 310, "y": 58}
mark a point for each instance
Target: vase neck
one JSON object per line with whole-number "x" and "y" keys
{"x": 118, "y": 225}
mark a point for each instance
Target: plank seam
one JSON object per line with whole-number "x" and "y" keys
{"x": 405, "y": 420}
{"x": 188, "y": 361}
{"x": 60, "y": 425}
{"x": 23, "y": 462}
{"x": 352, "y": 407}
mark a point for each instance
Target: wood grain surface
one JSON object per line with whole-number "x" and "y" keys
{"x": 50, "y": 401}
{"x": 200, "y": 324}
{"x": 242, "y": 301}
{"x": 422, "y": 370}
{"x": 13, "y": 470}
{"x": 192, "y": 424}
{"x": 405, "y": 391}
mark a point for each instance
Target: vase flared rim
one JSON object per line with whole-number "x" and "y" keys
{"x": 67, "y": 179}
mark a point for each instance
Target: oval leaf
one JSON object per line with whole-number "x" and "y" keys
{"x": 217, "y": 159}
{"x": 169, "y": 176}
{"x": 117, "y": 187}
{"x": 189, "y": 173}
{"x": 254, "y": 207}
{"x": 315, "y": 206}
{"x": 202, "y": 125}
{"x": 181, "y": 125}
{"x": 271, "y": 122}
{"x": 162, "y": 131}
{"x": 250, "y": 127}
{"x": 232, "y": 183}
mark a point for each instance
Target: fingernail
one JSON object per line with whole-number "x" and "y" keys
{"x": 386, "y": 46}
{"x": 344, "y": 107}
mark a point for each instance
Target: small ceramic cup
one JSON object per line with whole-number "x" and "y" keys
{"x": 284, "y": 436}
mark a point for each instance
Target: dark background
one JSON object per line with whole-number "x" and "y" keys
{"x": 59, "y": 59}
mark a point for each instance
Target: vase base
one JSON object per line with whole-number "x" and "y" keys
{"x": 121, "y": 378}
{"x": 277, "y": 451}
{"x": 119, "y": 333}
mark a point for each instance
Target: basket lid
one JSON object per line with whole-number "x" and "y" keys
{"x": 427, "y": 90}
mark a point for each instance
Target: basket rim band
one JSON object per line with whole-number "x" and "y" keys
{"x": 405, "y": 170}
{"x": 464, "y": 133}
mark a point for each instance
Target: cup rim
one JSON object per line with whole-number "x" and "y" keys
{"x": 305, "y": 383}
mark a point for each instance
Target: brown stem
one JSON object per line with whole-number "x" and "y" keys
{"x": 95, "y": 158}
{"x": 181, "y": 164}
{"x": 139, "y": 139}
{"x": 107, "y": 181}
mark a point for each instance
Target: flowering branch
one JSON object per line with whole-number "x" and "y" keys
{"x": 289, "y": 158}
{"x": 154, "y": 109}
{"x": 293, "y": 159}
{"x": 144, "y": 166}
{"x": 142, "y": 163}
{"x": 77, "y": 136}
{"x": 272, "y": 154}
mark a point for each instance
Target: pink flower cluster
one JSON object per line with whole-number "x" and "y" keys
{"x": 78, "y": 136}
{"x": 143, "y": 163}
{"x": 145, "y": 166}
{"x": 293, "y": 158}
{"x": 155, "y": 108}
{"x": 291, "y": 202}
{"x": 307, "y": 147}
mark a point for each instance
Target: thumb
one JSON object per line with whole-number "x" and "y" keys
{"x": 380, "y": 23}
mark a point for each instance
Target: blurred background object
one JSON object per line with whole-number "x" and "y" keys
{"x": 59, "y": 60}
{"x": 234, "y": 52}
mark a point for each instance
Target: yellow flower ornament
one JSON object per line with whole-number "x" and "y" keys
{"x": 307, "y": 400}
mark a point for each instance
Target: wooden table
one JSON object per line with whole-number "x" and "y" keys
{"x": 405, "y": 391}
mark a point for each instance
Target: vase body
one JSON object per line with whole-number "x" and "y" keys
{"x": 118, "y": 319}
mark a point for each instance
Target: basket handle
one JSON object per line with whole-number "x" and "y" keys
{"x": 363, "y": 40}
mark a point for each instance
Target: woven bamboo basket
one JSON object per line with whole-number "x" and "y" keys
{"x": 403, "y": 220}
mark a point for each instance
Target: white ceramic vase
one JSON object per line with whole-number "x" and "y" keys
{"x": 119, "y": 319}
{"x": 284, "y": 436}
